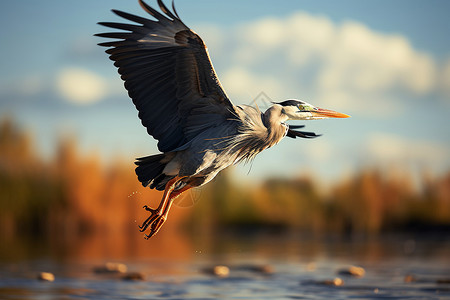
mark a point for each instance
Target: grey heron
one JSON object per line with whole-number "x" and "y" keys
{"x": 170, "y": 78}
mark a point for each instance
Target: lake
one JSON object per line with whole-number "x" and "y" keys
{"x": 255, "y": 266}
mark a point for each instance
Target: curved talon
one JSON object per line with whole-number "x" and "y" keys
{"x": 147, "y": 208}
{"x": 142, "y": 228}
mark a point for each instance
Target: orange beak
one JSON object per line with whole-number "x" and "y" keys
{"x": 326, "y": 113}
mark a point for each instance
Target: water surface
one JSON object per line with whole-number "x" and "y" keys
{"x": 261, "y": 267}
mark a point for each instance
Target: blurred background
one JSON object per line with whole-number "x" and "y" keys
{"x": 69, "y": 134}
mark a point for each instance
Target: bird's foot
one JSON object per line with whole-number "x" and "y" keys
{"x": 155, "y": 221}
{"x": 155, "y": 226}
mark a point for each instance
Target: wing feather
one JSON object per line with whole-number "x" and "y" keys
{"x": 168, "y": 74}
{"x": 123, "y": 26}
{"x": 148, "y": 23}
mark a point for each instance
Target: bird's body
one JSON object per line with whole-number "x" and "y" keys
{"x": 238, "y": 138}
{"x": 169, "y": 76}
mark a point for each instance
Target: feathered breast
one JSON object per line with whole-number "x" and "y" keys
{"x": 253, "y": 135}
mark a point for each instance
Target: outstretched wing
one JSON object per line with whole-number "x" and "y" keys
{"x": 169, "y": 76}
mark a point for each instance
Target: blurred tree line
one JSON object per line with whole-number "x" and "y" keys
{"x": 71, "y": 194}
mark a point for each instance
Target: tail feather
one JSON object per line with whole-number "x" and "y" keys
{"x": 149, "y": 171}
{"x": 161, "y": 181}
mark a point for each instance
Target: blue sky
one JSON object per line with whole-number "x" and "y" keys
{"x": 386, "y": 63}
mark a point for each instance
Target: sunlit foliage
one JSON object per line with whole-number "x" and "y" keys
{"x": 73, "y": 194}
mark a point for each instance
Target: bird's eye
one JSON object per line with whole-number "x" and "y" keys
{"x": 301, "y": 107}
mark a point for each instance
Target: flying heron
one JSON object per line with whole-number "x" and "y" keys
{"x": 170, "y": 78}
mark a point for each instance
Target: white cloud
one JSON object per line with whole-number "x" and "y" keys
{"x": 80, "y": 86}
{"x": 244, "y": 85}
{"x": 366, "y": 61}
{"x": 268, "y": 33}
{"x": 309, "y": 37}
{"x": 344, "y": 66}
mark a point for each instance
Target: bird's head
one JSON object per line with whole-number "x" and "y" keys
{"x": 300, "y": 110}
